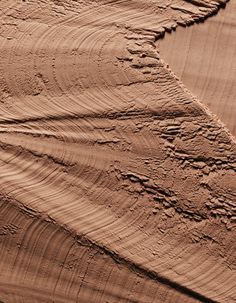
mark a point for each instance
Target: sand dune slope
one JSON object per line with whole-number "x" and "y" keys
{"x": 117, "y": 185}
{"x": 204, "y": 57}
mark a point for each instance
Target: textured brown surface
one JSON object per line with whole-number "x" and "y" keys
{"x": 117, "y": 185}
{"x": 204, "y": 57}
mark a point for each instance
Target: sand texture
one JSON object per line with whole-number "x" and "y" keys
{"x": 204, "y": 58}
{"x": 117, "y": 184}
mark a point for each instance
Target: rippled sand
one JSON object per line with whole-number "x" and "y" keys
{"x": 117, "y": 184}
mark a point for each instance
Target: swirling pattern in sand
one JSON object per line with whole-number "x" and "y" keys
{"x": 117, "y": 185}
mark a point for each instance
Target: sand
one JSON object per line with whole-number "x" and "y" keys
{"x": 117, "y": 183}
{"x": 204, "y": 58}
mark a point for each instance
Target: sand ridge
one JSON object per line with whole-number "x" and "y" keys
{"x": 117, "y": 185}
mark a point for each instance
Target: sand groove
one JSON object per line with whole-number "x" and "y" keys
{"x": 117, "y": 185}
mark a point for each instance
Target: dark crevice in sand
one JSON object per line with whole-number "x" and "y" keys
{"x": 109, "y": 115}
{"x": 85, "y": 241}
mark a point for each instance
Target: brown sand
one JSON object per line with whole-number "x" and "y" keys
{"x": 204, "y": 57}
{"x": 117, "y": 185}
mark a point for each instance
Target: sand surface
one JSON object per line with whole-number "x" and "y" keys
{"x": 204, "y": 58}
{"x": 117, "y": 184}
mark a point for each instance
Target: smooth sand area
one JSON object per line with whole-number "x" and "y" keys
{"x": 203, "y": 56}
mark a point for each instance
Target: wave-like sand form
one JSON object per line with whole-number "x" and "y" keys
{"x": 117, "y": 185}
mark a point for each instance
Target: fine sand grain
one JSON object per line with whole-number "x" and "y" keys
{"x": 117, "y": 185}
